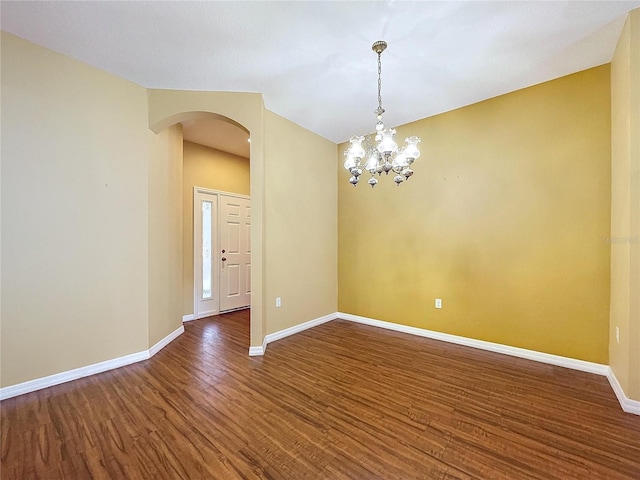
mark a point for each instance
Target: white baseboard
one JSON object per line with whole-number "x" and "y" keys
{"x": 188, "y": 318}
{"x": 166, "y": 341}
{"x": 272, "y": 337}
{"x": 257, "y": 351}
{"x": 566, "y": 362}
{"x": 628, "y": 405}
{"x": 76, "y": 373}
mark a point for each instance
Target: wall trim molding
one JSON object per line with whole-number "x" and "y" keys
{"x": 165, "y": 341}
{"x": 93, "y": 369}
{"x": 257, "y": 351}
{"x": 188, "y": 318}
{"x": 627, "y": 404}
{"x": 584, "y": 366}
{"x": 272, "y": 337}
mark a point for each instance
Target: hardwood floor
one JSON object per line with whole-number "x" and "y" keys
{"x": 340, "y": 401}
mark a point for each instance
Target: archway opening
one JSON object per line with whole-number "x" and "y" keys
{"x": 212, "y": 144}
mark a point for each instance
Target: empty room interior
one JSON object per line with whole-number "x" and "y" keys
{"x": 324, "y": 240}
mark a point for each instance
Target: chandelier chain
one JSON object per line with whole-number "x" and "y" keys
{"x": 379, "y": 82}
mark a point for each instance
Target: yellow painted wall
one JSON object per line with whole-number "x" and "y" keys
{"x": 301, "y": 224}
{"x": 75, "y": 150}
{"x": 504, "y": 220}
{"x": 208, "y": 168}
{"x": 625, "y": 208}
{"x": 165, "y": 234}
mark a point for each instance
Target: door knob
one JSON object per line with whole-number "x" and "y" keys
{"x": 223, "y": 250}
{"x": 224, "y": 258}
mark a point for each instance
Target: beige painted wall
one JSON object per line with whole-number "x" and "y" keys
{"x": 508, "y": 211}
{"x": 503, "y": 220}
{"x": 208, "y": 168}
{"x": 75, "y": 149}
{"x": 301, "y": 224}
{"x": 165, "y": 234}
{"x": 625, "y": 208}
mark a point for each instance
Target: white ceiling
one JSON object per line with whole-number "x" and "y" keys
{"x": 313, "y": 61}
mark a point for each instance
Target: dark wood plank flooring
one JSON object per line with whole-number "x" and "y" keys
{"x": 340, "y": 401}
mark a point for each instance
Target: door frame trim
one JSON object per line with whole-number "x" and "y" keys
{"x": 216, "y": 272}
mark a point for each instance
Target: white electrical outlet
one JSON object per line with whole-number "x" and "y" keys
{"x": 278, "y": 302}
{"x": 617, "y": 335}
{"x": 438, "y": 303}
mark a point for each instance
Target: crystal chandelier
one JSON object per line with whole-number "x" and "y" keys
{"x": 381, "y": 154}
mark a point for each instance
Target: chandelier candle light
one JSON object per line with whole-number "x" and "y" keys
{"x": 382, "y": 154}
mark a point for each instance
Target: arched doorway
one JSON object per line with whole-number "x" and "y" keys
{"x": 216, "y": 217}
{"x": 168, "y": 107}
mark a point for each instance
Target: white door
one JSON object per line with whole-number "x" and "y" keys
{"x": 235, "y": 248}
{"x": 205, "y": 249}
